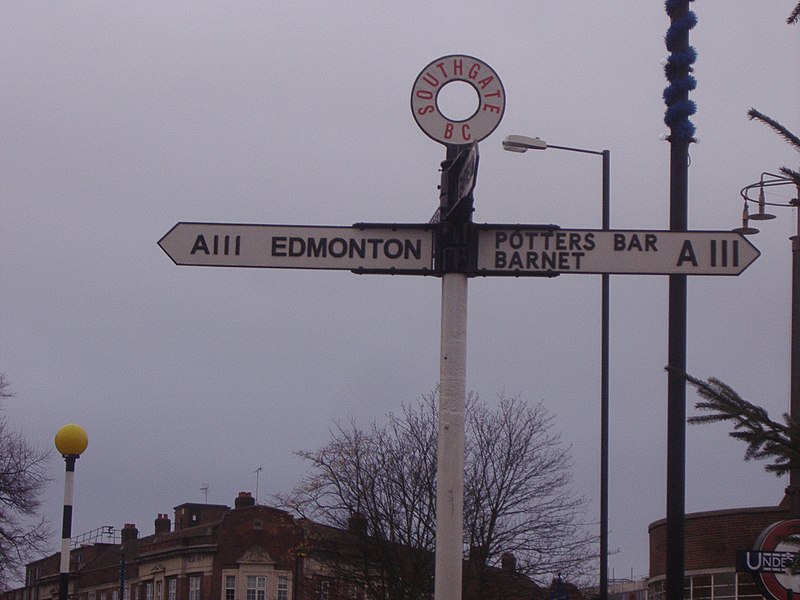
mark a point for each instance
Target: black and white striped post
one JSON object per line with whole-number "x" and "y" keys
{"x": 71, "y": 441}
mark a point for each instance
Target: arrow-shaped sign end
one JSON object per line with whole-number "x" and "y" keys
{"x": 163, "y": 243}
{"x": 751, "y": 253}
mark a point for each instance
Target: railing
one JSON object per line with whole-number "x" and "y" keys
{"x": 104, "y": 535}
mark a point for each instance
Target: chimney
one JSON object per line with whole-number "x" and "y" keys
{"x": 243, "y": 500}
{"x": 162, "y": 524}
{"x": 357, "y": 523}
{"x": 477, "y": 555}
{"x": 129, "y": 533}
{"x": 509, "y": 562}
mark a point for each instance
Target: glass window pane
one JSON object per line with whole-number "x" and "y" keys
{"x": 724, "y": 586}
{"x": 746, "y": 587}
{"x": 283, "y": 588}
{"x": 701, "y": 587}
{"x": 656, "y": 590}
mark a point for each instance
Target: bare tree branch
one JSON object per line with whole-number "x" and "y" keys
{"x": 22, "y": 480}
{"x": 518, "y": 498}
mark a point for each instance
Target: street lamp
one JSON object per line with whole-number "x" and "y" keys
{"x": 521, "y": 143}
{"x": 768, "y": 180}
{"x": 71, "y": 440}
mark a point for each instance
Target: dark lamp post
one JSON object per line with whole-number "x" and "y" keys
{"x": 71, "y": 441}
{"x": 769, "y": 180}
{"x": 521, "y": 143}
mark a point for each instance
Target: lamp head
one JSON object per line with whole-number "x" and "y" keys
{"x": 71, "y": 440}
{"x": 745, "y": 229}
{"x": 762, "y": 214}
{"x": 522, "y": 143}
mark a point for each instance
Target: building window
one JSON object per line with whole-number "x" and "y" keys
{"x": 159, "y": 590}
{"x": 358, "y": 592}
{"x": 747, "y": 588}
{"x": 103, "y": 596}
{"x": 701, "y": 587}
{"x": 230, "y": 587}
{"x": 256, "y": 588}
{"x": 712, "y": 586}
{"x": 172, "y": 589}
{"x": 283, "y": 588}
{"x": 91, "y": 596}
{"x": 148, "y": 590}
{"x": 194, "y": 587}
{"x": 324, "y": 590}
{"x": 115, "y": 595}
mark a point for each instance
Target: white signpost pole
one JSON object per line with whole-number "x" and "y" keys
{"x": 450, "y": 442}
{"x": 455, "y": 208}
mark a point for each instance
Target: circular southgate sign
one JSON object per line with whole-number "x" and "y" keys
{"x": 445, "y": 70}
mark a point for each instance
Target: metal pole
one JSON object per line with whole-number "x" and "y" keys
{"x": 676, "y": 95}
{"x": 66, "y": 527}
{"x": 676, "y": 385}
{"x": 676, "y": 438}
{"x": 450, "y": 445}
{"x": 123, "y": 565}
{"x": 604, "y": 369}
{"x": 794, "y": 389}
{"x": 604, "y": 386}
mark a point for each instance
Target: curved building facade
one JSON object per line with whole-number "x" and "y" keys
{"x": 713, "y": 540}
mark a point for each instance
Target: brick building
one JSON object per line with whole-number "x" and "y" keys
{"x": 712, "y": 540}
{"x": 213, "y": 552}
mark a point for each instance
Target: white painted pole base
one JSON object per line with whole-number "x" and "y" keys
{"x": 450, "y": 442}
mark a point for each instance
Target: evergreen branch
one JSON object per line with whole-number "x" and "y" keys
{"x": 795, "y": 16}
{"x": 766, "y": 439}
{"x": 777, "y": 127}
{"x": 791, "y": 174}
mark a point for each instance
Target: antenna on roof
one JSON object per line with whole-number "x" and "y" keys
{"x": 257, "y": 471}
{"x": 204, "y": 489}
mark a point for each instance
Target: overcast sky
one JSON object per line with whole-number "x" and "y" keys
{"x": 120, "y": 119}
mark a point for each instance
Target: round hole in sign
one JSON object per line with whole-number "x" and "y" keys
{"x": 458, "y": 100}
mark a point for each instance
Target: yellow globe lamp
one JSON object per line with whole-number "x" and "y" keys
{"x": 71, "y": 440}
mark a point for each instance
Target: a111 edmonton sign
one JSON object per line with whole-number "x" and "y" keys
{"x": 393, "y": 249}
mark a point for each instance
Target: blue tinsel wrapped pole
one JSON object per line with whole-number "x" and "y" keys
{"x": 678, "y": 71}
{"x": 679, "y": 108}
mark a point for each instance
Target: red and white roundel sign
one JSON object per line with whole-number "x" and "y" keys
{"x": 778, "y": 545}
{"x": 458, "y": 67}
